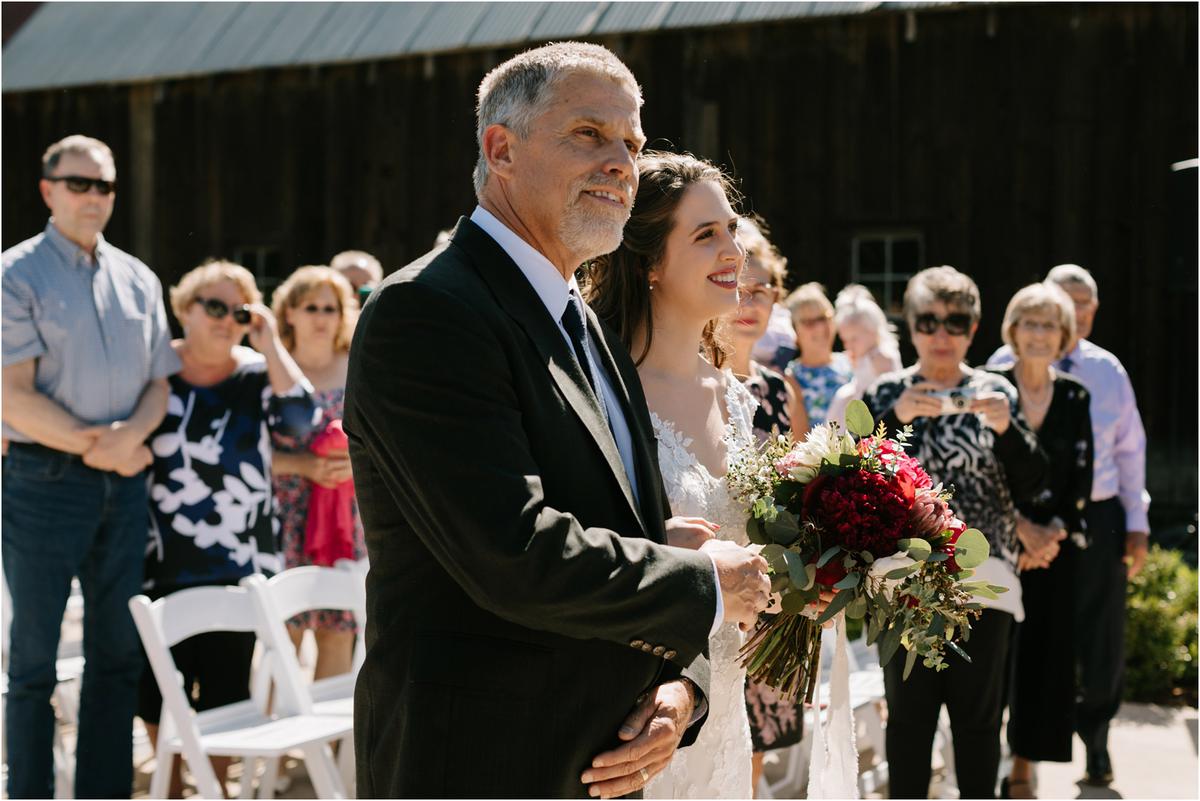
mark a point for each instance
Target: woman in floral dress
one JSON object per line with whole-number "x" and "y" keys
{"x": 316, "y": 308}
{"x": 817, "y": 372}
{"x": 212, "y": 513}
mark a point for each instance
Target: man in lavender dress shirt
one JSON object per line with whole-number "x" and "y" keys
{"x": 1117, "y": 519}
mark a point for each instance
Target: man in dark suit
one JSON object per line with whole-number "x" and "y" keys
{"x": 530, "y": 633}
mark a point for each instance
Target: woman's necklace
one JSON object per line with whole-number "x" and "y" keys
{"x": 1036, "y": 403}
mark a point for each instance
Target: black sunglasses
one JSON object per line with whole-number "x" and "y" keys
{"x": 217, "y": 309}
{"x": 80, "y": 185}
{"x": 956, "y": 325}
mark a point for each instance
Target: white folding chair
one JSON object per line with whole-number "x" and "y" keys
{"x": 281, "y": 598}
{"x": 236, "y": 730}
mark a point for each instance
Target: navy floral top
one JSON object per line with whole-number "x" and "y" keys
{"x": 820, "y": 384}
{"x": 212, "y": 511}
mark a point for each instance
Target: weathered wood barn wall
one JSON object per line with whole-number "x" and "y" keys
{"x": 1003, "y": 138}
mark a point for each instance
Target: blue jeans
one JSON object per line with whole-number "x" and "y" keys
{"x": 63, "y": 519}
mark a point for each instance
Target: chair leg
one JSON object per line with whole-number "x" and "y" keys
{"x": 161, "y": 779}
{"x": 270, "y": 778}
{"x": 318, "y": 758}
{"x": 346, "y": 765}
{"x": 249, "y": 768}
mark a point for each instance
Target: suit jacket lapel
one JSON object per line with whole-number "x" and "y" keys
{"x": 643, "y": 438}
{"x": 517, "y": 297}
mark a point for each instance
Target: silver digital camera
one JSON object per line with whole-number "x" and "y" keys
{"x": 955, "y": 401}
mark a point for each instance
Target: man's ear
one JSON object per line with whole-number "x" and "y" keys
{"x": 498, "y": 142}
{"x": 44, "y": 187}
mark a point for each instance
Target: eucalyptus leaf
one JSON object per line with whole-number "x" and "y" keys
{"x": 773, "y": 553}
{"x": 917, "y": 548}
{"x": 848, "y": 582}
{"x": 940, "y": 556}
{"x": 794, "y": 602}
{"x": 909, "y": 661}
{"x": 901, "y": 572}
{"x": 890, "y": 643}
{"x": 784, "y": 529}
{"x": 953, "y": 646}
{"x": 829, "y": 554}
{"x": 839, "y": 602}
{"x": 858, "y": 419}
{"x": 756, "y": 532}
{"x": 795, "y": 569}
{"x": 810, "y": 583}
{"x": 857, "y": 608}
{"x": 971, "y": 549}
{"x": 874, "y": 625}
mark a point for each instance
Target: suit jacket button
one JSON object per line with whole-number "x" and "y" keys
{"x": 659, "y": 650}
{"x": 636, "y": 643}
{"x": 669, "y": 655}
{"x": 647, "y": 647}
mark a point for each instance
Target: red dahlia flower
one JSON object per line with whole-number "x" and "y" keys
{"x": 859, "y": 510}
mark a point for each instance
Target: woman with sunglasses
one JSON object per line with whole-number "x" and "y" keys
{"x": 316, "y": 309}
{"x": 212, "y": 518}
{"x": 969, "y": 433}
{"x": 817, "y": 373}
{"x": 1039, "y": 325}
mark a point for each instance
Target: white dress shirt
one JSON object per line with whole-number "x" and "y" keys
{"x": 555, "y": 294}
{"x": 1119, "y": 462}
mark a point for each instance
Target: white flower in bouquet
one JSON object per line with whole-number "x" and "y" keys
{"x": 823, "y": 443}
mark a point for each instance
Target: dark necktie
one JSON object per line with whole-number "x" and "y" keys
{"x": 572, "y": 322}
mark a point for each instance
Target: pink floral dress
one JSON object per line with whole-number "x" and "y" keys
{"x": 291, "y": 502}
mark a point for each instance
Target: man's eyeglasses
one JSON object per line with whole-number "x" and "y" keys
{"x": 313, "y": 308}
{"x": 956, "y": 325}
{"x": 218, "y": 309}
{"x": 81, "y": 186}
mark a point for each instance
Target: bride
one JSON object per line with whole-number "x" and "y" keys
{"x": 663, "y": 291}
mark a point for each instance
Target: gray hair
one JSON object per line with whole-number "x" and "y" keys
{"x": 856, "y": 304}
{"x": 945, "y": 284}
{"x": 78, "y": 144}
{"x": 516, "y": 92}
{"x": 1073, "y": 275}
{"x": 1044, "y": 297}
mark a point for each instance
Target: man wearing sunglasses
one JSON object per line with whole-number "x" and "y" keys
{"x": 86, "y": 357}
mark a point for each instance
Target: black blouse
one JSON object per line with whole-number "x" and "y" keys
{"x": 1066, "y": 437}
{"x": 770, "y": 390}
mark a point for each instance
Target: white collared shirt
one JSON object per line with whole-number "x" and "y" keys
{"x": 1119, "y": 460}
{"x": 555, "y": 294}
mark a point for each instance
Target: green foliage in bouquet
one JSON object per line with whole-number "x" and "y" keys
{"x": 853, "y": 513}
{"x": 1160, "y": 634}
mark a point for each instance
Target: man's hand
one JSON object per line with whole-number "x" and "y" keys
{"x": 993, "y": 408}
{"x": 1041, "y": 543}
{"x": 113, "y": 448}
{"x": 1137, "y": 543}
{"x": 651, "y": 733}
{"x": 745, "y": 588}
{"x": 690, "y": 532}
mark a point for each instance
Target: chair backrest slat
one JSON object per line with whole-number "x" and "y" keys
{"x": 199, "y": 610}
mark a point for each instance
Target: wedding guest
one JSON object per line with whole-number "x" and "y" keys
{"x": 760, "y": 287}
{"x": 775, "y": 722}
{"x": 504, "y": 463}
{"x": 1117, "y": 520}
{"x": 1038, "y": 325}
{"x": 818, "y": 372}
{"x": 361, "y": 269}
{"x": 212, "y": 512}
{"x": 983, "y": 448}
{"x": 870, "y": 343}
{"x": 316, "y": 309}
{"x": 86, "y": 357}
{"x": 777, "y": 346}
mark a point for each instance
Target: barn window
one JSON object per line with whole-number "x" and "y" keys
{"x": 265, "y": 261}
{"x": 883, "y": 261}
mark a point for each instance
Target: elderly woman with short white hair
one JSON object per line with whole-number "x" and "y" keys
{"x": 1039, "y": 326}
{"x": 969, "y": 433}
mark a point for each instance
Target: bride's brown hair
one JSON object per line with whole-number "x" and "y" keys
{"x": 617, "y": 286}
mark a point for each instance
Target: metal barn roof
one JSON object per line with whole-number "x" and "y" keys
{"x": 75, "y": 44}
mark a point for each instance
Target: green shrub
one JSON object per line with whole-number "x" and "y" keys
{"x": 1160, "y": 634}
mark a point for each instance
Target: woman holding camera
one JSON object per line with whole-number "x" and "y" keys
{"x": 969, "y": 434}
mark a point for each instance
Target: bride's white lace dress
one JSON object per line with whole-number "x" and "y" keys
{"x": 717, "y": 765}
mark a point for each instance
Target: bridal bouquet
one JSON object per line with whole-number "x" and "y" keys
{"x": 850, "y": 511}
